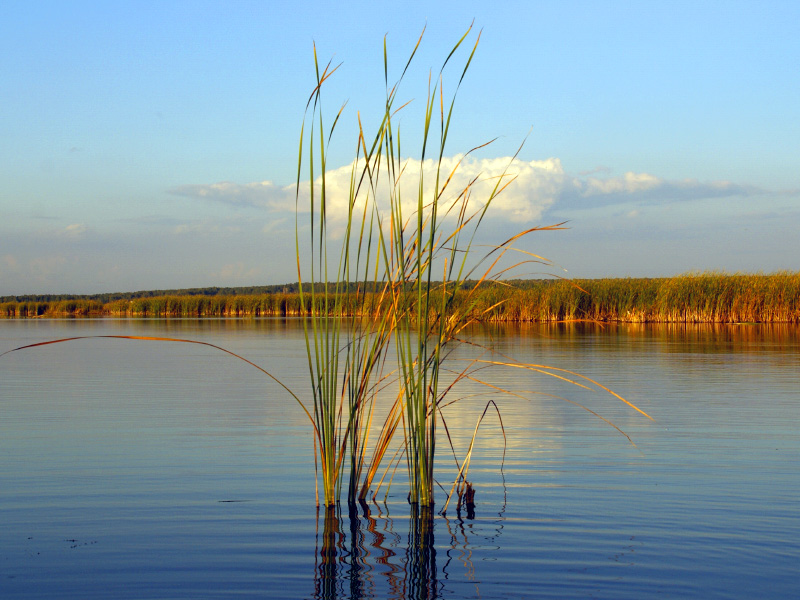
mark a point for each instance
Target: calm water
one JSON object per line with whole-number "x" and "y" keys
{"x": 137, "y": 469}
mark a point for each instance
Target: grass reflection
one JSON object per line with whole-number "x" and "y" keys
{"x": 365, "y": 553}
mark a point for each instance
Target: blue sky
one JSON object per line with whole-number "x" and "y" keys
{"x": 152, "y": 144}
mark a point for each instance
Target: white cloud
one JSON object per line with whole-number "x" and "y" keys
{"x": 535, "y": 187}
{"x": 538, "y": 186}
{"x": 629, "y": 183}
{"x": 645, "y": 188}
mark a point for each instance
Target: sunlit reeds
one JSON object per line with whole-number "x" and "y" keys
{"x": 66, "y": 308}
{"x": 418, "y": 259}
{"x": 346, "y": 356}
{"x": 693, "y": 298}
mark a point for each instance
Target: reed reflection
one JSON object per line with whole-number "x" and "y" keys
{"x": 421, "y": 573}
{"x": 328, "y": 556}
{"x": 461, "y": 531}
{"x": 361, "y": 554}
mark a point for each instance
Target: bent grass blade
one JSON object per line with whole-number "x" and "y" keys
{"x": 168, "y": 339}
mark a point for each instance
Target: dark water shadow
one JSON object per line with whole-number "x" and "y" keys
{"x": 365, "y": 553}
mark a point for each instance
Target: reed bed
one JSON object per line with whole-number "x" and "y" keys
{"x": 692, "y": 298}
{"x": 58, "y": 308}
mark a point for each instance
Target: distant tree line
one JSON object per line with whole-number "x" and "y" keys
{"x": 694, "y": 298}
{"x": 253, "y": 290}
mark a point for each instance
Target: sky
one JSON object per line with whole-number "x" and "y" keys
{"x": 154, "y": 145}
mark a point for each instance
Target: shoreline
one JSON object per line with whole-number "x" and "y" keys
{"x": 696, "y": 298}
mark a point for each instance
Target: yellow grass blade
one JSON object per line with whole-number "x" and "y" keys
{"x": 547, "y": 370}
{"x": 168, "y": 339}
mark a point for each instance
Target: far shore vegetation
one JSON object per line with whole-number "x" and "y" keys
{"x": 690, "y": 298}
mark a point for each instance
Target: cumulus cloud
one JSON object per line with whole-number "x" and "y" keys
{"x": 537, "y": 186}
{"x": 534, "y": 186}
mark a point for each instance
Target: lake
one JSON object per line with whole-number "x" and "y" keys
{"x": 135, "y": 469}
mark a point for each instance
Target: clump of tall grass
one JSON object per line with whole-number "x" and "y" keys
{"x": 438, "y": 232}
{"x": 419, "y": 256}
{"x": 345, "y": 355}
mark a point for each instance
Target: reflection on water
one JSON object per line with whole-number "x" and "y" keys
{"x": 120, "y": 459}
{"x": 671, "y": 337}
{"x": 362, "y": 554}
{"x": 421, "y": 572}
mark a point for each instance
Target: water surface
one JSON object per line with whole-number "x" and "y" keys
{"x": 163, "y": 470}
